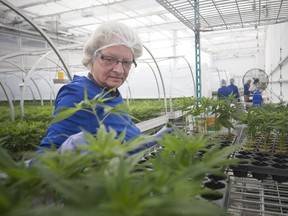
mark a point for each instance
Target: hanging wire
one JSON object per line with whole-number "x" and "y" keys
{"x": 280, "y": 78}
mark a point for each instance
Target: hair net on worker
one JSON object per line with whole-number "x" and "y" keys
{"x": 111, "y": 34}
{"x": 223, "y": 82}
{"x": 231, "y": 80}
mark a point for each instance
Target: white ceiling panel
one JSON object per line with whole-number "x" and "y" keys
{"x": 47, "y": 9}
{"x": 224, "y": 23}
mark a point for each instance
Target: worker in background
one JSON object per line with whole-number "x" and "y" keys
{"x": 224, "y": 91}
{"x": 109, "y": 54}
{"x": 257, "y": 98}
{"x": 255, "y": 85}
{"x": 235, "y": 90}
{"x": 247, "y": 91}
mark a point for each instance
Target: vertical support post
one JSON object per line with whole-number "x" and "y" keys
{"x": 197, "y": 51}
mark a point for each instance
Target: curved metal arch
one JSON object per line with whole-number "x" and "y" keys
{"x": 27, "y": 78}
{"x": 32, "y": 93}
{"x": 129, "y": 92}
{"x": 10, "y": 91}
{"x": 55, "y": 63}
{"x": 219, "y": 77}
{"x": 51, "y": 88}
{"x": 41, "y": 32}
{"x": 190, "y": 68}
{"x": 163, "y": 86}
{"x": 38, "y": 52}
{"x": 29, "y": 75}
{"x": 12, "y": 114}
{"x": 2, "y": 58}
{"x": 157, "y": 83}
{"x": 30, "y": 78}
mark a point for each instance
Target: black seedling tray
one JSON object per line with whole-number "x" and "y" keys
{"x": 262, "y": 166}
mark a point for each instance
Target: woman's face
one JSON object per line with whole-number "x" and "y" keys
{"x": 105, "y": 70}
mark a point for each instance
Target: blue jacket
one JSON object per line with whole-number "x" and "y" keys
{"x": 257, "y": 98}
{"x": 234, "y": 90}
{"x": 246, "y": 89}
{"x": 73, "y": 93}
{"x": 224, "y": 92}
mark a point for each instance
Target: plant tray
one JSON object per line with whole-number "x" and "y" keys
{"x": 263, "y": 165}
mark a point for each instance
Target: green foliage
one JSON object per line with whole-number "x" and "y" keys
{"x": 142, "y": 110}
{"x": 33, "y": 111}
{"x": 224, "y": 110}
{"x": 269, "y": 120}
{"x": 265, "y": 119}
{"x": 102, "y": 181}
{"x": 21, "y": 136}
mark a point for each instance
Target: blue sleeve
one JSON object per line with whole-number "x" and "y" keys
{"x": 58, "y": 132}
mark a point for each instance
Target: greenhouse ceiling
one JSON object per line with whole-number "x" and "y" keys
{"x": 228, "y": 28}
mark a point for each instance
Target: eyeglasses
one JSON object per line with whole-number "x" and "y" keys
{"x": 111, "y": 61}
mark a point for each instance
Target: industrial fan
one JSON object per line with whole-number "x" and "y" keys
{"x": 258, "y": 78}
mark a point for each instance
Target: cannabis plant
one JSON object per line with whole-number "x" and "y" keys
{"x": 103, "y": 178}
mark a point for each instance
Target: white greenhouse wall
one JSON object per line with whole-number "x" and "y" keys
{"x": 276, "y": 39}
{"x": 235, "y": 68}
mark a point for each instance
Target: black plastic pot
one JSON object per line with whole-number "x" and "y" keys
{"x": 214, "y": 177}
{"x": 240, "y": 173}
{"x": 259, "y": 163}
{"x": 241, "y": 156}
{"x": 242, "y": 152}
{"x": 215, "y": 185}
{"x": 261, "y": 159}
{"x": 280, "y": 160}
{"x": 212, "y": 196}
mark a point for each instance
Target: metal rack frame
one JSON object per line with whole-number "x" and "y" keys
{"x": 233, "y": 14}
{"x": 249, "y": 196}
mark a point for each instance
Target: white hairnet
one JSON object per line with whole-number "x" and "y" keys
{"x": 232, "y": 81}
{"x": 223, "y": 82}
{"x": 111, "y": 34}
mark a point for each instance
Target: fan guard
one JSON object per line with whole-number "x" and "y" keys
{"x": 259, "y": 74}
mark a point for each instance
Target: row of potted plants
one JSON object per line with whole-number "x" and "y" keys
{"x": 265, "y": 148}
{"x": 21, "y": 136}
{"x": 106, "y": 181}
{"x": 267, "y": 129}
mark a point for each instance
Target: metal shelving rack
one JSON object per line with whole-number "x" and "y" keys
{"x": 218, "y": 15}
{"x": 250, "y": 197}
